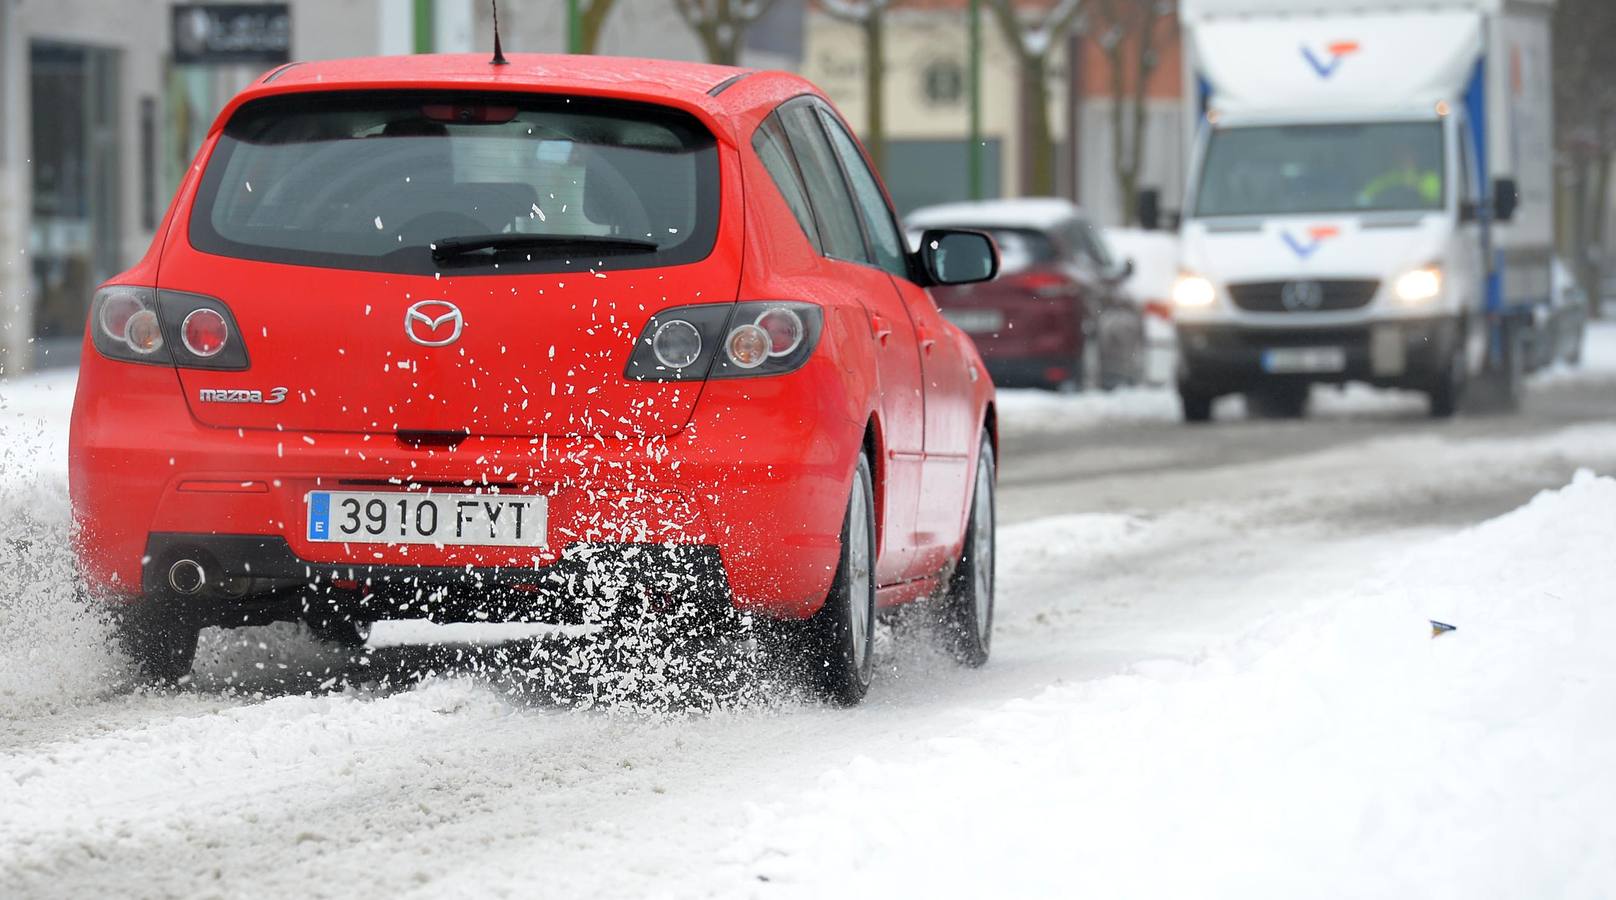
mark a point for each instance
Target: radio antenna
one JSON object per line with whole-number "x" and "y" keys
{"x": 499, "y": 54}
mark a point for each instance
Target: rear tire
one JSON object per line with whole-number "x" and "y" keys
{"x": 837, "y": 646}
{"x": 967, "y": 614}
{"x": 158, "y": 640}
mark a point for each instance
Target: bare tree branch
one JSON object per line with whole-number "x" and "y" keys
{"x": 721, "y": 25}
{"x": 1033, "y": 36}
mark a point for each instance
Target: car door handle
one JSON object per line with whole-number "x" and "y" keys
{"x": 880, "y": 328}
{"x": 927, "y": 342}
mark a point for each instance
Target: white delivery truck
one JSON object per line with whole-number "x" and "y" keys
{"x": 1369, "y": 198}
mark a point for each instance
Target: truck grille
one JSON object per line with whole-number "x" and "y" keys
{"x": 1303, "y": 295}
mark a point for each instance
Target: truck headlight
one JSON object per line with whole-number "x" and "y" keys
{"x": 1193, "y": 291}
{"x": 1419, "y": 286}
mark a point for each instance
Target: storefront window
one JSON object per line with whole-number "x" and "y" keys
{"x": 75, "y": 239}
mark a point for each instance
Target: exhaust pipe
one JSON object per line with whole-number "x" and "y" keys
{"x": 186, "y": 576}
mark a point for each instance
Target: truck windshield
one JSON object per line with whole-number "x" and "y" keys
{"x": 1300, "y": 169}
{"x": 377, "y": 180}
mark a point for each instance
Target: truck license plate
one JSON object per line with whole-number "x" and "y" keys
{"x": 495, "y": 520}
{"x": 1304, "y": 360}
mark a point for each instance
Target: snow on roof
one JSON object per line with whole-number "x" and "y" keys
{"x": 1021, "y": 212}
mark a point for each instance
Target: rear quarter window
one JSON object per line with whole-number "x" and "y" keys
{"x": 372, "y": 180}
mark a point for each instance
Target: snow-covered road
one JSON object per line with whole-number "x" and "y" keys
{"x": 1214, "y": 675}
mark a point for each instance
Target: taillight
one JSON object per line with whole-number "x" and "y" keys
{"x": 144, "y": 333}
{"x": 117, "y": 308}
{"x": 784, "y": 327}
{"x": 754, "y": 338}
{"x": 138, "y": 324}
{"x": 1160, "y": 309}
{"x": 747, "y": 346}
{"x": 1040, "y": 281}
{"x": 204, "y": 333}
{"x": 676, "y": 344}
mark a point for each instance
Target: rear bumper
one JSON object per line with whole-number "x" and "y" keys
{"x": 1412, "y": 354}
{"x": 253, "y": 580}
{"x": 759, "y": 478}
{"x": 1037, "y": 371}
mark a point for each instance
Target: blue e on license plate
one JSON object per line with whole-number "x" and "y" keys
{"x": 493, "y": 520}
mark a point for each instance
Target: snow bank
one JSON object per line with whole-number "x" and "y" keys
{"x": 1034, "y": 411}
{"x": 1337, "y": 749}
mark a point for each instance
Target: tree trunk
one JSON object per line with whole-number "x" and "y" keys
{"x": 1593, "y": 265}
{"x": 1124, "y": 176}
{"x": 875, "y": 138}
{"x": 593, "y": 22}
{"x": 1038, "y": 175}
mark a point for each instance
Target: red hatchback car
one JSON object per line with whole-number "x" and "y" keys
{"x": 434, "y": 337}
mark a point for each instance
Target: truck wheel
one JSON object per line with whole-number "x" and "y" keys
{"x": 1279, "y": 401}
{"x": 1445, "y": 397}
{"x": 967, "y": 614}
{"x": 159, "y": 640}
{"x": 1197, "y": 406}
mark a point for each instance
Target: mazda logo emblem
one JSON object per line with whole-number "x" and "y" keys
{"x": 1302, "y": 296}
{"x": 425, "y": 323}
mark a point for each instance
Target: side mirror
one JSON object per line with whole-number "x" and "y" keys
{"x": 1147, "y": 209}
{"x": 951, "y": 256}
{"x": 1506, "y": 197}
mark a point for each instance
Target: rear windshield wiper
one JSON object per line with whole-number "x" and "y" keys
{"x": 551, "y": 244}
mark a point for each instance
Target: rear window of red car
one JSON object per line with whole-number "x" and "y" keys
{"x": 375, "y": 180}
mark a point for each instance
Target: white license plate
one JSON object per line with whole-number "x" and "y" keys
{"x": 976, "y": 321}
{"x": 495, "y": 520}
{"x": 1304, "y": 359}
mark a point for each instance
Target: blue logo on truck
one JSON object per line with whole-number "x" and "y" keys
{"x": 1310, "y": 241}
{"x": 1325, "y": 64}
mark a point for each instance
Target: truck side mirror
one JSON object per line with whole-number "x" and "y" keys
{"x": 1506, "y": 196}
{"x": 1147, "y": 209}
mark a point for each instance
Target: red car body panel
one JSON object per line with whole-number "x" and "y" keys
{"x": 759, "y": 467}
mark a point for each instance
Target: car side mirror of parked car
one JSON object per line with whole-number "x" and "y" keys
{"x": 1147, "y": 209}
{"x": 951, "y": 256}
{"x": 1506, "y": 196}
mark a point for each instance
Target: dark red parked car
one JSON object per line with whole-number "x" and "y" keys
{"x": 1057, "y": 316}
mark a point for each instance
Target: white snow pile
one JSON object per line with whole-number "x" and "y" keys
{"x": 1339, "y": 749}
{"x": 1031, "y": 410}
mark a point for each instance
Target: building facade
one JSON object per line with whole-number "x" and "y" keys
{"x": 926, "y": 111}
